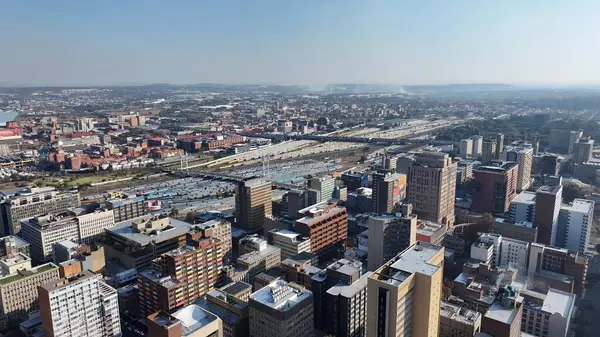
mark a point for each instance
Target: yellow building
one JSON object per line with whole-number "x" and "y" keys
{"x": 404, "y": 294}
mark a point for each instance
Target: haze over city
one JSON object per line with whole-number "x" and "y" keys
{"x": 299, "y": 42}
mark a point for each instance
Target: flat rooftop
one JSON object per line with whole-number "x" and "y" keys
{"x": 416, "y": 259}
{"x": 351, "y": 290}
{"x": 309, "y": 219}
{"x": 193, "y": 318}
{"x": 285, "y": 233}
{"x": 525, "y": 197}
{"x": 497, "y": 169}
{"x": 257, "y": 255}
{"x": 281, "y": 296}
{"x": 547, "y": 189}
{"x": 579, "y": 205}
{"x": 346, "y": 267}
{"x": 126, "y": 231}
{"x": 459, "y": 314}
{"x": 164, "y": 280}
{"x": 559, "y": 302}
{"x": 501, "y": 314}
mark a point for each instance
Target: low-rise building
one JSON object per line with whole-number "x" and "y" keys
{"x": 458, "y": 321}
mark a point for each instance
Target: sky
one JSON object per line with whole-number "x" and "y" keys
{"x": 308, "y": 42}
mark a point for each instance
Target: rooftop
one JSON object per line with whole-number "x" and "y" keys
{"x": 499, "y": 313}
{"x": 236, "y": 287}
{"x": 558, "y": 301}
{"x": 22, "y": 274}
{"x": 414, "y": 259}
{"x": 579, "y": 205}
{"x": 346, "y": 267}
{"x": 163, "y": 279}
{"x": 281, "y": 295}
{"x": 256, "y": 182}
{"x": 547, "y": 189}
{"x": 194, "y": 318}
{"x": 349, "y": 291}
{"x": 257, "y": 255}
{"x": 459, "y": 314}
{"x": 318, "y": 213}
{"x": 127, "y": 231}
{"x": 497, "y": 169}
{"x": 525, "y": 197}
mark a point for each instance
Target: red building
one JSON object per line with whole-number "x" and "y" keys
{"x": 495, "y": 187}
{"x": 327, "y": 229}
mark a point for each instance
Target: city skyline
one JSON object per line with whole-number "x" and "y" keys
{"x": 306, "y": 43}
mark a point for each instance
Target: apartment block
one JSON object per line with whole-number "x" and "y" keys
{"x": 404, "y": 294}
{"x": 477, "y": 146}
{"x": 458, "y": 321}
{"x": 219, "y": 229}
{"x": 127, "y": 207}
{"x": 301, "y": 268}
{"x": 291, "y": 243}
{"x": 256, "y": 262}
{"x": 547, "y": 314}
{"x": 79, "y": 306}
{"x": 559, "y": 268}
{"x": 327, "y": 229}
{"x": 582, "y": 150}
{"x": 486, "y": 249}
{"x": 281, "y": 309}
{"x": 42, "y": 232}
{"x": 574, "y": 225}
{"x": 523, "y": 231}
{"x": 432, "y": 187}
{"x": 488, "y": 151}
{"x": 252, "y": 204}
{"x": 388, "y": 236}
{"x": 31, "y": 202}
{"x": 181, "y": 276}
{"x": 524, "y": 157}
{"x": 387, "y": 191}
{"x": 522, "y": 208}
{"x": 548, "y": 200}
{"x": 19, "y": 291}
{"x": 496, "y": 188}
{"x": 325, "y": 185}
{"x": 92, "y": 224}
{"x": 466, "y": 148}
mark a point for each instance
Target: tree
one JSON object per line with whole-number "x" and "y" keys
{"x": 191, "y": 216}
{"x": 487, "y": 220}
{"x": 174, "y": 212}
{"x": 572, "y": 191}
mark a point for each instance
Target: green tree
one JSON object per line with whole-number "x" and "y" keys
{"x": 487, "y": 220}
{"x": 174, "y": 212}
{"x": 572, "y": 191}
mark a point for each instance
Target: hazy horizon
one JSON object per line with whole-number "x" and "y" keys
{"x": 111, "y": 43}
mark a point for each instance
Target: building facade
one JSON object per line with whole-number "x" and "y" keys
{"x": 496, "y": 188}
{"x": 327, "y": 229}
{"x": 252, "y": 204}
{"x": 388, "y": 236}
{"x": 574, "y": 226}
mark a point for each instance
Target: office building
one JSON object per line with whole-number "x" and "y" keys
{"x": 134, "y": 244}
{"x": 327, "y": 228}
{"x": 404, "y": 294}
{"x": 488, "y": 152}
{"x": 126, "y": 207}
{"x": 514, "y": 254}
{"x": 293, "y": 201}
{"x": 31, "y": 202}
{"x": 546, "y": 164}
{"x": 264, "y": 257}
{"x": 252, "y": 204}
{"x": 281, "y": 309}
{"x": 11, "y": 245}
{"x": 190, "y": 321}
{"x": 232, "y": 311}
{"x": 583, "y": 150}
{"x": 238, "y": 289}
{"x": 457, "y": 321}
{"x": 181, "y": 276}
{"x": 499, "y": 144}
{"x": 547, "y": 314}
{"x": 91, "y": 224}
{"x": 564, "y": 141}
{"x": 523, "y": 231}
{"x": 325, "y": 185}
{"x": 496, "y": 188}
{"x": 354, "y": 181}
{"x": 301, "y": 268}
{"x": 574, "y": 226}
{"x": 522, "y": 208}
{"x": 477, "y": 146}
{"x": 548, "y": 200}
{"x": 524, "y": 157}
{"x": 387, "y": 191}
{"x": 388, "y": 236}
{"x": 19, "y": 290}
{"x": 340, "y": 193}
{"x": 42, "y": 232}
{"x": 79, "y": 306}
{"x": 559, "y": 268}
{"x": 90, "y": 258}
{"x": 486, "y": 249}
{"x": 466, "y": 148}
{"x": 432, "y": 187}
{"x": 503, "y": 318}
{"x": 430, "y": 232}
{"x": 291, "y": 243}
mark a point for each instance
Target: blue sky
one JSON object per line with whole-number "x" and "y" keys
{"x": 300, "y": 41}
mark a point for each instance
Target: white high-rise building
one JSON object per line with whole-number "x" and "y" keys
{"x": 575, "y": 225}
{"x": 522, "y": 208}
{"x": 477, "y": 146}
{"x": 487, "y": 249}
{"x": 94, "y": 223}
{"x": 514, "y": 253}
{"x": 79, "y": 306}
{"x": 325, "y": 185}
{"x": 466, "y": 148}
{"x": 523, "y": 156}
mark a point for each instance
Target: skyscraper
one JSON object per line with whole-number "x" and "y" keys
{"x": 488, "y": 152}
{"x": 327, "y": 228}
{"x": 432, "y": 187}
{"x": 252, "y": 203}
{"x": 499, "y": 144}
{"x": 466, "y": 148}
{"x": 388, "y": 236}
{"x": 386, "y": 191}
{"x": 547, "y": 207}
{"x": 523, "y": 156}
{"x": 404, "y": 294}
{"x": 79, "y": 306}
{"x": 496, "y": 187}
{"x": 325, "y": 185}
{"x": 582, "y": 150}
{"x": 477, "y": 145}
{"x": 574, "y": 225}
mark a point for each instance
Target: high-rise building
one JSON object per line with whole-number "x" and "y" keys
{"x": 432, "y": 187}
{"x": 547, "y": 205}
{"x": 291, "y": 243}
{"x": 219, "y": 229}
{"x": 301, "y": 268}
{"x": 354, "y": 181}
{"x": 477, "y": 146}
{"x": 180, "y": 277}
{"x": 79, "y": 306}
{"x": 547, "y": 314}
{"x": 252, "y": 204}
{"x": 325, "y": 185}
{"x": 190, "y": 321}
{"x": 466, "y": 148}
{"x": 281, "y": 309}
{"x": 488, "y": 152}
{"x": 388, "y": 236}
{"x": 563, "y": 141}
{"x": 514, "y": 254}
{"x": 574, "y": 225}
{"x": 42, "y": 232}
{"x": 559, "y": 268}
{"x": 327, "y": 229}
{"x": 496, "y": 188}
{"x": 31, "y": 202}
{"x": 404, "y": 294}
{"x": 230, "y": 309}
{"x": 523, "y": 156}
{"x": 127, "y": 207}
{"x": 546, "y": 164}
{"x": 292, "y": 202}
{"x": 582, "y": 150}
{"x": 522, "y": 208}
{"x": 19, "y": 288}
{"x": 386, "y": 191}
{"x": 486, "y": 249}
{"x": 259, "y": 259}
{"x": 458, "y": 321}
{"x": 499, "y": 144}
{"x": 92, "y": 224}
{"x": 503, "y": 318}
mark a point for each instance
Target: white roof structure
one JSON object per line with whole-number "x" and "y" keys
{"x": 558, "y": 302}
